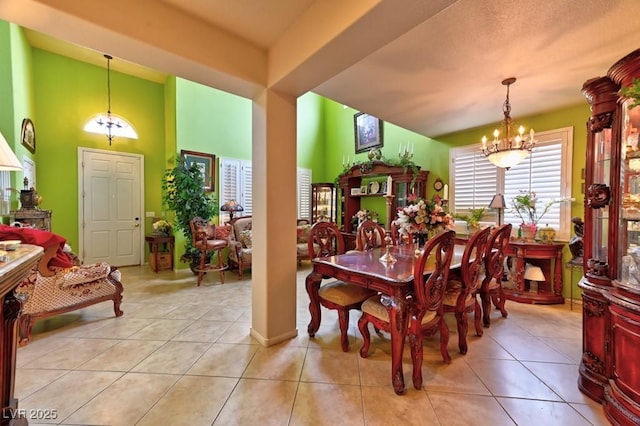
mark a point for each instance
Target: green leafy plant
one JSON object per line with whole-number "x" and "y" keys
{"x": 473, "y": 218}
{"x": 524, "y": 205}
{"x": 632, "y": 92}
{"x": 183, "y": 193}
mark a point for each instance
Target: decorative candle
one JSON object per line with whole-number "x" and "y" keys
{"x": 389, "y": 185}
{"x": 445, "y": 195}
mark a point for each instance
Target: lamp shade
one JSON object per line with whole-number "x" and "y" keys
{"x": 533, "y": 273}
{"x": 497, "y": 202}
{"x": 231, "y": 206}
{"x": 8, "y": 160}
{"x": 509, "y": 158}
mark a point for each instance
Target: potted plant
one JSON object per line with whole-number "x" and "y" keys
{"x": 632, "y": 92}
{"x": 183, "y": 192}
{"x": 472, "y": 219}
{"x": 524, "y": 205}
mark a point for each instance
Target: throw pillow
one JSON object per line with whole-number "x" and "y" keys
{"x": 245, "y": 238}
{"x": 302, "y": 232}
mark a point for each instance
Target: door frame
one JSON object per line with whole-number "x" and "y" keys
{"x": 81, "y": 151}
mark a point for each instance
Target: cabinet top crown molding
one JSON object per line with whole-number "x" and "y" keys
{"x": 376, "y": 168}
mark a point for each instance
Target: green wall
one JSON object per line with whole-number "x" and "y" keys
{"x": 68, "y": 93}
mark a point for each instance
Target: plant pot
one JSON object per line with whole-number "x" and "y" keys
{"x": 546, "y": 234}
{"x": 528, "y": 232}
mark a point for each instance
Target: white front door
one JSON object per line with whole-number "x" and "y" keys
{"x": 110, "y": 194}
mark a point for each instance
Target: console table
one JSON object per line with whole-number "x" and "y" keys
{"x": 160, "y": 258}
{"x": 13, "y": 269}
{"x": 545, "y": 256}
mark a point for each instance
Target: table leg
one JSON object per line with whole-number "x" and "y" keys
{"x": 557, "y": 272}
{"x": 313, "y": 284}
{"x": 398, "y": 321}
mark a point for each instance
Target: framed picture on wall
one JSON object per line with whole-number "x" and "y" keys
{"x": 28, "y": 135}
{"x": 368, "y": 132}
{"x": 205, "y": 162}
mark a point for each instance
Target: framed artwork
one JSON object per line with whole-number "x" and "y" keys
{"x": 363, "y": 190}
{"x": 368, "y": 132}
{"x": 206, "y": 163}
{"x": 28, "y": 135}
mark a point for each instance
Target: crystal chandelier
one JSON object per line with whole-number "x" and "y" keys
{"x": 510, "y": 150}
{"x": 110, "y": 124}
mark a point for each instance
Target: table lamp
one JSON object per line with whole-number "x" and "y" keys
{"x": 497, "y": 202}
{"x": 231, "y": 206}
{"x": 534, "y": 274}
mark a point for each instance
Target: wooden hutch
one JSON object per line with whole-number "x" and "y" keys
{"x": 609, "y": 369}
{"x": 360, "y": 175}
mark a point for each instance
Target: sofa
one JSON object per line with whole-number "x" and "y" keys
{"x": 59, "y": 283}
{"x": 240, "y": 242}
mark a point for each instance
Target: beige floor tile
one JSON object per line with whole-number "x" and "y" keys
{"x": 123, "y": 356}
{"x": 116, "y": 328}
{"x": 327, "y": 404}
{"x": 30, "y": 380}
{"x": 161, "y": 329}
{"x": 238, "y": 332}
{"x": 280, "y": 362}
{"x": 561, "y": 378}
{"x": 224, "y": 360}
{"x": 593, "y": 412}
{"x": 259, "y": 402}
{"x": 225, "y": 313}
{"x": 375, "y": 370}
{"x": 147, "y": 310}
{"x": 190, "y": 311}
{"x": 124, "y": 402}
{"x": 455, "y": 410}
{"x": 529, "y": 348}
{"x": 511, "y": 379}
{"x": 330, "y": 367}
{"x": 72, "y": 353}
{"x": 191, "y": 401}
{"x": 172, "y": 358}
{"x": 382, "y": 407}
{"x": 526, "y": 412}
{"x": 203, "y": 331}
{"x": 69, "y": 393}
{"x": 456, "y": 377}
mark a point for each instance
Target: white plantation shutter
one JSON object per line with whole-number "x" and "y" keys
{"x": 546, "y": 171}
{"x": 304, "y": 193}
{"x": 474, "y": 180}
{"x": 5, "y": 192}
{"x": 246, "y": 195}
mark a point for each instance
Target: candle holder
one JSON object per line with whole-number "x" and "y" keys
{"x": 389, "y": 202}
{"x": 387, "y": 257}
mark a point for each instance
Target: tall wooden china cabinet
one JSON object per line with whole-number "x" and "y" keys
{"x": 324, "y": 203}
{"x": 609, "y": 369}
{"x": 356, "y": 184}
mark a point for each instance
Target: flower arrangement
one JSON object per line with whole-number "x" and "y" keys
{"x": 421, "y": 217}
{"x": 360, "y": 216}
{"x": 162, "y": 227}
{"x": 525, "y": 206}
{"x": 632, "y": 92}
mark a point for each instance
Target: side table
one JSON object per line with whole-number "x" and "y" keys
{"x": 161, "y": 258}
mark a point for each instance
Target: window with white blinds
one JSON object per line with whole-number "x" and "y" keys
{"x": 5, "y": 192}
{"x": 546, "y": 171}
{"x": 304, "y": 193}
{"x": 236, "y": 184}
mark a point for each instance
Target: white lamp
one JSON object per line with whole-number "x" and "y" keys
{"x": 534, "y": 274}
{"x": 109, "y": 124}
{"x": 8, "y": 160}
{"x": 498, "y": 203}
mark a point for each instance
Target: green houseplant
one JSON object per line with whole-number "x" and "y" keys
{"x": 183, "y": 193}
{"x": 472, "y": 219}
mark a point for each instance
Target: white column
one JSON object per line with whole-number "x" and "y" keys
{"x": 274, "y": 194}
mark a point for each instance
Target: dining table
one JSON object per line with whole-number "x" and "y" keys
{"x": 392, "y": 279}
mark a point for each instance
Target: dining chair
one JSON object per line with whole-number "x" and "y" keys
{"x": 461, "y": 296}
{"x": 325, "y": 239}
{"x": 491, "y": 288}
{"x": 431, "y": 270}
{"x": 370, "y": 235}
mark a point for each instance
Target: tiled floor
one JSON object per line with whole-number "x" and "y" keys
{"x": 182, "y": 355}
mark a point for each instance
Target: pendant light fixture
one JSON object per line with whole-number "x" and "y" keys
{"x": 511, "y": 149}
{"x": 109, "y": 124}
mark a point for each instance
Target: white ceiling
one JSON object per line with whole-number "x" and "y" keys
{"x": 431, "y": 66}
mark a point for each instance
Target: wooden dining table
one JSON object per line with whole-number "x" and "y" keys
{"x": 395, "y": 280}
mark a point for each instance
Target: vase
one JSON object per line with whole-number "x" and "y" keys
{"x": 546, "y": 234}
{"x": 528, "y": 231}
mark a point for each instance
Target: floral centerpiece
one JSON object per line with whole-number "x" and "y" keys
{"x": 360, "y": 216}
{"x": 423, "y": 217}
{"x": 162, "y": 227}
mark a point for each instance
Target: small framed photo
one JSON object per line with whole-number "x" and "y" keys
{"x": 368, "y": 132}
{"x": 364, "y": 190}
{"x": 205, "y": 162}
{"x": 355, "y": 191}
{"x": 28, "y": 135}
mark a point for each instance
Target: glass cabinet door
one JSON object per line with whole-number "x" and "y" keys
{"x": 629, "y": 240}
{"x": 323, "y": 202}
{"x": 601, "y": 176}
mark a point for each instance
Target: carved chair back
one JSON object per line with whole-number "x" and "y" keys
{"x": 370, "y": 235}
{"x": 436, "y": 258}
{"x": 325, "y": 239}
